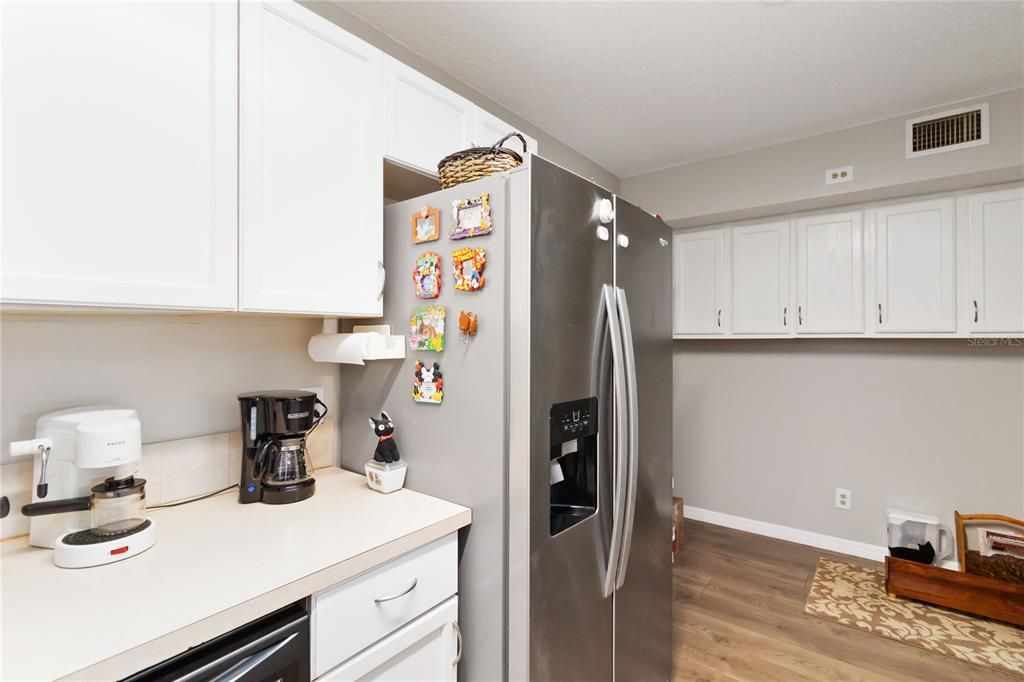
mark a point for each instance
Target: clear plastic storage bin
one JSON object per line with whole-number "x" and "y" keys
{"x": 910, "y": 534}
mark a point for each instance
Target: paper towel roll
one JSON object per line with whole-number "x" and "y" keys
{"x": 344, "y": 348}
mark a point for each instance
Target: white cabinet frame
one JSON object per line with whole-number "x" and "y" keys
{"x": 915, "y": 269}
{"x": 700, "y": 298}
{"x": 830, "y": 273}
{"x": 761, "y": 278}
{"x": 131, "y": 200}
{"x": 302, "y": 250}
{"x": 995, "y": 261}
{"x": 412, "y": 135}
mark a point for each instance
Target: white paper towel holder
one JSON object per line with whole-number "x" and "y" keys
{"x": 366, "y": 342}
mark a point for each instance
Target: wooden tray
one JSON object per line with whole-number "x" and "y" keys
{"x": 972, "y": 594}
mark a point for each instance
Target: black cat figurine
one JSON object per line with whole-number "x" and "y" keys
{"x": 384, "y": 429}
{"x": 924, "y": 554}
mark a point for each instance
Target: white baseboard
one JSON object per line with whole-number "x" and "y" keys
{"x": 797, "y": 535}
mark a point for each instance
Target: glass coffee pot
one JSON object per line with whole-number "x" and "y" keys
{"x": 282, "y": 462}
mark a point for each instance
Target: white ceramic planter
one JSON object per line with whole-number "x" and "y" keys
{"x": 385, "y": 478}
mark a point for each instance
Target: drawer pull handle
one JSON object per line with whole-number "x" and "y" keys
{"x": 458, "y": 636}
{"x": 381, "y": 600}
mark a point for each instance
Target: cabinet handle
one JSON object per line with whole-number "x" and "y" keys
{"x": 800, "y": 314}
{"x": 381, "y": 600}
{"x": 383, "y": 279}
{"x": 785, "y": 309}
{"x": 975, "y": 301}
{"x": 458, "y": 649}
{"x": 719, "y": 318}
{"x": 879, "y": 313}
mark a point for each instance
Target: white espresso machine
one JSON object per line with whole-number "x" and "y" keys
{"x": 86, "y": 502}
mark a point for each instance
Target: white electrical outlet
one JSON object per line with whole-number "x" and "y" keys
{"x": 834, "y": 176}
{"x": 844, "y": 499}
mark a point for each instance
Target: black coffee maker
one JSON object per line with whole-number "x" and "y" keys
{"x": 275, "y": 424}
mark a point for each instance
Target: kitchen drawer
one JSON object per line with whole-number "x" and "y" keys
{"x": 351, "y": 616}
{"x": 429, "y": 648}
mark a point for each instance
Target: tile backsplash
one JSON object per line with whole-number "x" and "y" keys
{"x": 174, "y": 470}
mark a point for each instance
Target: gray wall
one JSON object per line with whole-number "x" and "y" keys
{"x": 791, "y": 177}
{"x": 767, "y": 430}
{"x": 182, "y": 372}
{"x": 549, "y": 147}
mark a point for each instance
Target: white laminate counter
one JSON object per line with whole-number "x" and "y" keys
{"x": 216, "y": 565}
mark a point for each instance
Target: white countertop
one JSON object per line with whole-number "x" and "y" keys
{"x": 216, "y": 565}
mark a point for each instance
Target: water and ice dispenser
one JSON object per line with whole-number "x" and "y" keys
{"x": 573, "y": 462}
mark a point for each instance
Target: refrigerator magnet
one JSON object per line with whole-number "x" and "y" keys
{"x": 468, "y": 268}
{"x": 426, "y": 328}
{"x": 427, "y": 386}
{"x": 467, "y": 325}
{"x": 426, "y": 276}
{"x": 471, "y": 217}
{"x": 426, "y": 225}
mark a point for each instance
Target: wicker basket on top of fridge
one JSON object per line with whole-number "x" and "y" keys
{"x": 479, "y": 162}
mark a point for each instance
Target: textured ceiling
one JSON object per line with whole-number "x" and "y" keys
{"x": 641, "y": 86}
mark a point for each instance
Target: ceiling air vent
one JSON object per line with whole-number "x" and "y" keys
{"x": 947, "y": 131}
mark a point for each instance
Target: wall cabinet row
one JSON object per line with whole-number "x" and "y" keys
{"x": 217, "y": 156}
{"x": 899, "y": 269}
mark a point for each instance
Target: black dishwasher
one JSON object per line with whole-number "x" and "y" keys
{"x": 274, "y": 648}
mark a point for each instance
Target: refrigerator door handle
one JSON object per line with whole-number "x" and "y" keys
{"x": 621, "y": 433}
{"x": 633, "y": 442}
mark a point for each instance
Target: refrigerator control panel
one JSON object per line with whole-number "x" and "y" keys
{"x": 573, "y": 419}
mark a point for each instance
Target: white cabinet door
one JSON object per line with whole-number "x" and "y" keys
{"x": 760, "y": 278}
{"x": 311, "y": 165}
{"x": 119, "y": 154}
{"x": 698, "y": 282}
{"x": 830, "y": 273}
{"x": 915, "y": 280}
{"x": 488, "y": 129}
{"x": 996, "y": 261}
{"x": 426, "y": 649}
{"x": 423, "y": 120}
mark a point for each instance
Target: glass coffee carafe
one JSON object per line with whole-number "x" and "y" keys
{"x": 282, "y": 462}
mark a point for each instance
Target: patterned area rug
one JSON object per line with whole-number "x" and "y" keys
{"x": 855, "y": 596}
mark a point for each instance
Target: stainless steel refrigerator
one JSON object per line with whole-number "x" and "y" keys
{"x": 555, "y": 427}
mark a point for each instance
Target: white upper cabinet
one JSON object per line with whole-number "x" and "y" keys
{"x": 698, "y": 282}
{"x": 830, "y": 273}
{"x": 996, "y": 261}
{"x": 423, "y": 120}
{"x": 760, "y": 279}
{"x": 915, "y": 279}
{"x": 311, "y": 164}
{"x": 119, "y": 154}
{"x": 488, "y": 129}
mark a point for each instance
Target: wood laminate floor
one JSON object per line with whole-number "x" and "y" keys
{"x": 739, "y": 615}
